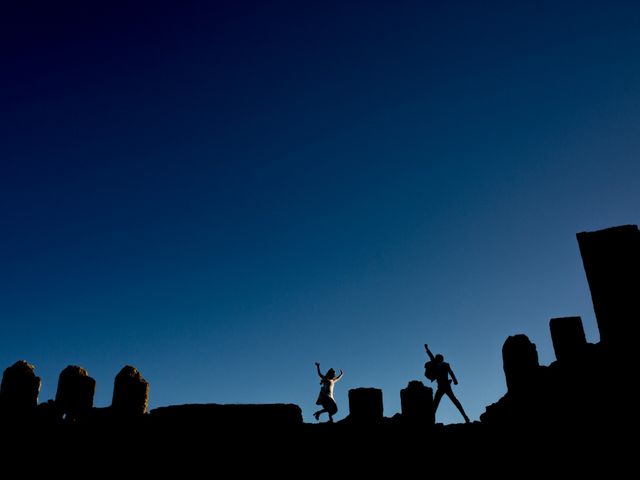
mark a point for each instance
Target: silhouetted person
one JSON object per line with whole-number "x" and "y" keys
{"x": 325, "y": 398}
{"x": 440, "y": 371}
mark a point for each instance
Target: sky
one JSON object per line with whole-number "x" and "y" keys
{"x": 223, "y": 193}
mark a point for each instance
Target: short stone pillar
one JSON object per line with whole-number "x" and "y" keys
{"x": 365, "y": 405}
{"x": 520, "y": 362}
{"x": 76, "y": 389}
{"x": 20, "y": 388}
{"x": 130, "y": 393}
{"x": 416, "y": 401}
{"x": 567, "y": 335}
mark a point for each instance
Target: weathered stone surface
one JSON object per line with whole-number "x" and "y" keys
{"x": 74, "y": 397}
{"x": 567, "y": 335}
{"x": 416, "y": 401}
{"x": 20, "y": 388}
{"x": 130, "y": 392}
{"x": 520, "y": 361}
{"x": 365, "y": 404}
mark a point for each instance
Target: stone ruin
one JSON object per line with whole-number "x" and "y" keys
{"x": 365, "y": 405}
{"x": 520, "y": 362}
{"x": 568, "y": 338}
{"x": 74, "y": 397}
{"x": 611, "y": 259}
{"x": 130, "y": 393}
{"x": 20, "y": 388}
{"x": 416, "y": 401}
{"x": 560, "y": 393}
{"x": 566, "y": 392}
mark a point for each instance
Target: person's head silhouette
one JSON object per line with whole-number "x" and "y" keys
{"x": 331, "y": 374}
{"x": 439, "y": 358}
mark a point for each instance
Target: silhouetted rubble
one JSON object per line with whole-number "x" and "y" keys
{"x": 130, "y": 393}
{"x": 74, "y": 397}
{"x": 416, "y": 402}
{"x": 567, "y": 335}
{"x": 365, "y": 405}
{"x": 19, "y": 390}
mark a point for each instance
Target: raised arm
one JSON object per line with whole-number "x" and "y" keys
{"x": 339, "y": 376}
{"x": 431, "y": 357}
{"x": 453, "y": 377}
{"x": 318, "y": 369}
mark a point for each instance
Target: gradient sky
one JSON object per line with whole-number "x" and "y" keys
{"x": 222, "y": 193}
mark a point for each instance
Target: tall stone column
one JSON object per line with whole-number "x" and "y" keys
{"x": 611, "y": 259}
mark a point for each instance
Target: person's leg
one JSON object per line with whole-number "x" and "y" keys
{"x": 436, "y": 399}
{"x": 458, "y": 405}
{"x": 318, "y": 413}
{"x": 332, "y": 409}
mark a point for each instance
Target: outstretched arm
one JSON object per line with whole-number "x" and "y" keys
{"x": 318, "y": 369}
{"x": 453, "y": 377}
{"x": 339, "y": 376}
{"x": 431, "y": 357}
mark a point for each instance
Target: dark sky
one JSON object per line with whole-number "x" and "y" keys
{"x": 222, "y": 193}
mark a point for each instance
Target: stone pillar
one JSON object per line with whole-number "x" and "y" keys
{"x": 611, "y": 259}
{"x": 20, "y": 387}
{"x": 416, "y": 401}
{"x": 520, "y": 362}
{"x": 365, "y": 405}
{"x": 567, "y": 335}
{"x": 74, "y": 397}
{"x": 130, "y": 392}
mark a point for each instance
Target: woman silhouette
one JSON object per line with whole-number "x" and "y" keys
{"x": 325, "y": 398}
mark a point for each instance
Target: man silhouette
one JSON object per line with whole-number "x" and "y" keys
{"x": 441, "y": 372}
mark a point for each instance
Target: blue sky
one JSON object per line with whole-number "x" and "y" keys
{"x": 222, "y": 194}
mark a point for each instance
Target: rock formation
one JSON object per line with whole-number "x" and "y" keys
{"x": 365, "y": 405}
{"x": 520, "y": 362}
{"x": 611, "y": 259}
{"x": 567, "y": 335}
{"x": 74, "y": 397}
{"x": 19, "y": 389}
{"x": 130, "y": 393}
{"x": 416, "y": 401}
